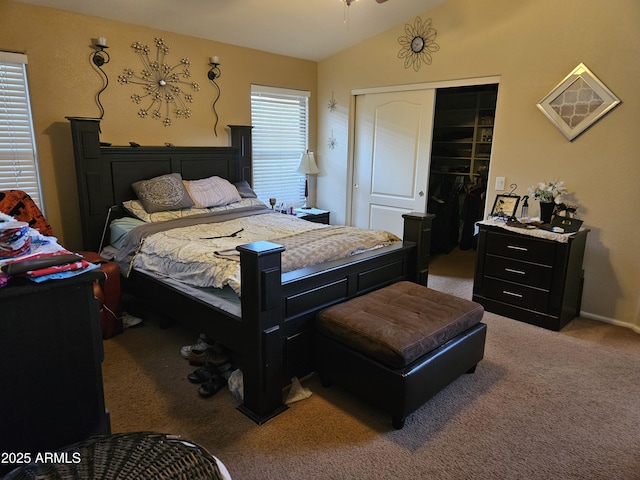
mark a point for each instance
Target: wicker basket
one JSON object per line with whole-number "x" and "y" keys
{"x": 138, "y": 455}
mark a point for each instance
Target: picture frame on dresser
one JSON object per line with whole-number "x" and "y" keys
{"x": 505, "y": 206}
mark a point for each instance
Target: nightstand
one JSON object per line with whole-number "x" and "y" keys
{"x": 312, "y": 215}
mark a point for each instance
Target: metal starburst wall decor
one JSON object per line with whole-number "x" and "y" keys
{"x": 165, "y": 89}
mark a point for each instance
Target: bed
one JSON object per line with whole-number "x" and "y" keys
{"x": 270, "y": 328}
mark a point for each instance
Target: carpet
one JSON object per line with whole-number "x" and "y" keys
{"x": 541, "y": 405}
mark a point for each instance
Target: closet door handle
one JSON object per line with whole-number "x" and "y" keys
{"x": 421, "y": 193}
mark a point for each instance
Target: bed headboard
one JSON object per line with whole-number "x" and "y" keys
{"x": 105, "y": 173}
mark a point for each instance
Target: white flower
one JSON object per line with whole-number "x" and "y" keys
{"x": 548, "y": 192}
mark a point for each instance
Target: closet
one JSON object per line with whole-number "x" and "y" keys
{"x": 460, "y": 156}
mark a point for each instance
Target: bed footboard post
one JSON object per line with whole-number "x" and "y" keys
{"x": 262, "y": 350}
{"x": 417, "y": 229}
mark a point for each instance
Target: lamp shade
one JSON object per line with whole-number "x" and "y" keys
{"x": 307, "y": 164}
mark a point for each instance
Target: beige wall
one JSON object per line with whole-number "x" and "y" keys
{"x": 63, "y": 83}
{"x": 531, "y": 45}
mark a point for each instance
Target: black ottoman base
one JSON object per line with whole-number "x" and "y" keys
{"x": 399, "y": 392}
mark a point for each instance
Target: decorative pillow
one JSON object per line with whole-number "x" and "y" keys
{"x": 245, "y": 190}
{"x": 212, "y": 192}
{"x": 163, "y": 193}
{"x": 135, "y": 208}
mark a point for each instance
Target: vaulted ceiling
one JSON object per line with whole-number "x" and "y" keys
{"x": 308, "y": 29}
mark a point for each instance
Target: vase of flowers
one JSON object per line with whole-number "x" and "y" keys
{"x": 548, "y": 194}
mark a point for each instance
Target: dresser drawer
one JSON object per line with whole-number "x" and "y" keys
{"x": 521, "y": 247}
{"x": 532, "y": 274}
{"x": 515, "y": 294}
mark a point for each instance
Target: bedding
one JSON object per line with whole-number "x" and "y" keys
{"x": 136, "y": 208}
{"x": 119, "y": 229}
{"x": 200, "y": 250}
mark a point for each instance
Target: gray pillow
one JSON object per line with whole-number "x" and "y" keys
{"x": 163, "y": 193}
{"x": 244, "y": 189}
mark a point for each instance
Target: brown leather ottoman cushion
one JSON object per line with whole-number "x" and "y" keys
{"x": 398, "y": 324}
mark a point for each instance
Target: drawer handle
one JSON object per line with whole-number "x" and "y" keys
{"x": 514, "y": 247}
{"x": 512, "y": 294}
{"x": 511, "y": 270}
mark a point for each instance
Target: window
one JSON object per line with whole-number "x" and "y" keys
{"x": 18, "y": 163}
{"x": 280, "y": 120}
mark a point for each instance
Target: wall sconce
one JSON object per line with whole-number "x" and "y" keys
{"x": 98, "y": 58}
{"x": 213, "y": 74}
{"x": 307, "y": 166}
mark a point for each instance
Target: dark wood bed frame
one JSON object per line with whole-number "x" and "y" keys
{"x": 273, "y": 338}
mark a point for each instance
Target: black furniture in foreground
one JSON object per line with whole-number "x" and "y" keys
{"x": 399, "y": 346}
{"x": 50, "y": 365}
{"x": 534, "y": 280}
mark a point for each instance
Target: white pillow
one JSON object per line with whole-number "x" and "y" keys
{"x": 211, "y": 192}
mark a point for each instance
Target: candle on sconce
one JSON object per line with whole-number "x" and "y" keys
{"x": 102, "y": 41}
{"x": 214, "y": 59}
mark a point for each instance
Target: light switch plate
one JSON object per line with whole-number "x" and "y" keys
{"x": 500, "y": 183}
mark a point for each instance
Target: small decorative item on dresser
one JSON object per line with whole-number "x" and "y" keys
{"x": 546, "y": 211}
{"x": 548, "y": 194}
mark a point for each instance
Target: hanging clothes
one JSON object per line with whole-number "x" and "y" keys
{"x": 473, "y": 210}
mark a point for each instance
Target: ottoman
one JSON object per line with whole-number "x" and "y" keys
{"x": 398, "y": 346}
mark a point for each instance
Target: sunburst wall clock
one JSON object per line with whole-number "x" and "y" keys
{"x": 166, "y": 90}
{"x": 418, "y": 43}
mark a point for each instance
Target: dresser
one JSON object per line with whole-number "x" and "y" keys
{"x": 50, "y": 365}
{"x": 527, "y": 278}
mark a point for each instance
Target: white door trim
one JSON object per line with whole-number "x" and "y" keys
{"x": 465, "y": 82}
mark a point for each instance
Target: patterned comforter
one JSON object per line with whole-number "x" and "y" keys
{"x": 201, "y": 251}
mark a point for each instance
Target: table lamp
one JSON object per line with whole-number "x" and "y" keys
{"x": 308, "y": 167}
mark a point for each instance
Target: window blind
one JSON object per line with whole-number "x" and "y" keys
{"x": 18, "y": 160}
{"x": 280, "y": 120}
